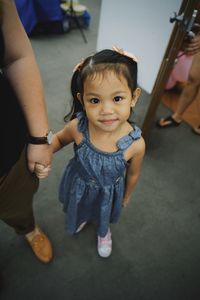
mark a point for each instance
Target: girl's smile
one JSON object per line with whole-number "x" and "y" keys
{"x": 108, "y": 121}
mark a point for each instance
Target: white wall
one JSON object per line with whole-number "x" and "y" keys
{"x": 141, "y": 27}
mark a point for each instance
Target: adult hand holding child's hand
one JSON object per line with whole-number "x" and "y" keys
{"x": 42, "y": 171}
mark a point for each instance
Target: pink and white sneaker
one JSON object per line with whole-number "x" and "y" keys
{"x": 104, "y": 245}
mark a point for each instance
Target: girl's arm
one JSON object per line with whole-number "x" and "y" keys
{"x": 65, "y": 136}
{"x": 60, "y": 139}
{"x": 133, "y": 171}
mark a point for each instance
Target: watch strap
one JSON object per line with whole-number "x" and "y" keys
{"x": 47, "y": 139}
{"x": 37, "y": 140}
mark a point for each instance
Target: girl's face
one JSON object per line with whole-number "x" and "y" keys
{"x": 107, "y": 101}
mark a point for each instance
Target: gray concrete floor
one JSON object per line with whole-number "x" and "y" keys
{"x": 156, "y": 248}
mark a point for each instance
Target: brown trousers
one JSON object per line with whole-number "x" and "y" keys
{"x": 16, "y": 197}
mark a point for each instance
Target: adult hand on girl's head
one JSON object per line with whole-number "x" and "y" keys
{"x": 38, "y": 154}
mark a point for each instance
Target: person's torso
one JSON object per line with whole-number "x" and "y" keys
{"x": 12, "y": 122}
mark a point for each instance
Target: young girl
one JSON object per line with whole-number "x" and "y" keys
{"x": 109, "y": 149}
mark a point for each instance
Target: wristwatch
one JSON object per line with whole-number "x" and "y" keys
{"x": 47, "y": 139}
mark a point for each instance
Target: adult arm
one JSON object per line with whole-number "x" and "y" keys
{"x": 21, "y": 69}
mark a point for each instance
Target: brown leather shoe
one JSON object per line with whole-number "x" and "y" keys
{"x": 40, "y": 245}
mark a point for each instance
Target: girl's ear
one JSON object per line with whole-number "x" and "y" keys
{"x": 135, "y": 97}
{"x": 79, "y": 97}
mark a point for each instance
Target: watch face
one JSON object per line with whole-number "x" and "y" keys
{"x": 50, "y": 137}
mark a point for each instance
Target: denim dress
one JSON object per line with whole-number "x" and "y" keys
{"x": 92, "y": 186}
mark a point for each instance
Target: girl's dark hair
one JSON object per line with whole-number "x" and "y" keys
{"x": 100, "y": 62}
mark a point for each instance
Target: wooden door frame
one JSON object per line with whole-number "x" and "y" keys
{"x": 167, "y": 64}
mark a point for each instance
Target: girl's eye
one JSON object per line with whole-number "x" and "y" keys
{"x": 117, "y": 99}
{"x": 94, "y": 101}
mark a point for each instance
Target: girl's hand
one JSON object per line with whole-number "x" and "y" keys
{"x": 41, "y": 171}
{"x": 125, "y": 202}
